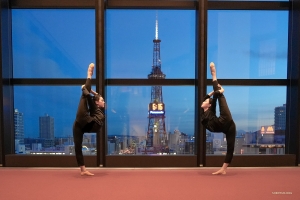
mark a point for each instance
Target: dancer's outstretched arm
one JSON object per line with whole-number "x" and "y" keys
{"x": 210, "y": 94}
{"x": 94, "y": 92}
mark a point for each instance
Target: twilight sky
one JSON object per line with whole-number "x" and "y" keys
{"x": 61, "y": 44}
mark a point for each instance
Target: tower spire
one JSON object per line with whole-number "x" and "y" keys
{"x": 156, "y": 134}
{"x": 156, "y": 28}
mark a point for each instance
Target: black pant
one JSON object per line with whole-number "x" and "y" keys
{"x": 228, "y": 126}
{"x": 83, "y": 124}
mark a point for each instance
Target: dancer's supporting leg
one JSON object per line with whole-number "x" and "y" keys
{"x": 230, "y": 138}
{"x": 78, "y": 132}
{"x": 229, "y": 131}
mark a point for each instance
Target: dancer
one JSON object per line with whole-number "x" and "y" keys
{"x": 89, "y": 118}
{"x": 224, "y": 123}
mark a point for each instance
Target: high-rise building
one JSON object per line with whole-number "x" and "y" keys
{"x": 19, "y": 126}
{"x": 46, "y": 125}
{"x": 280, "y": 119}
{"x": 156, "y": 134}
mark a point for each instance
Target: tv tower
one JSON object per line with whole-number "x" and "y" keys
{"x": 156, "y": 134}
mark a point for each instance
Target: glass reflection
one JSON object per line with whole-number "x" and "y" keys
{"x": 248, "y": 44}
{"x": 52, "y": 43}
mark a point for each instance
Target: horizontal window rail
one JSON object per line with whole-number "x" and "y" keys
{"x": 151, "y": 4}
{"x": 141, "y": 82}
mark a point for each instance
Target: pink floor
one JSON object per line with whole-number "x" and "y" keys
{"x": 149, "y": 183}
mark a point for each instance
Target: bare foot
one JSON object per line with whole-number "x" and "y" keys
{"x": 86, "y": 173}
{"x": 220, "y": 172}
{"x": 212, "y": 69}
{"x": 90, "y": 70}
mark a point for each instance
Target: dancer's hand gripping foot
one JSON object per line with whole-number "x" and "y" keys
{"x": 221, "y": 90}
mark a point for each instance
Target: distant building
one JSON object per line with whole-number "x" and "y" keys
{"x": 238, "y": 146}
{"x": 251, "y": 137}
{"x": 113, "y": 145}
{"x": 174, "y": 139}
{"x": 209, "y": 147}
{"x": 46, "y": 126}
{"x": 63, "y": 141}
{"x": 19, "y": 127}
{"x": 33, "y": 143}
{"x": 266, "y": 135}
{"x": 280, "y": 119}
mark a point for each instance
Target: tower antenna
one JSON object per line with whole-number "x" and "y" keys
{"x": 156, "y": 134}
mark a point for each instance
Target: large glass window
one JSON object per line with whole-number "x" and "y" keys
{"x": 44, "y": 117}
{"x": 132, "y": 36}
{"x": 248, "y": 44}
{"x": 52, "y": 43}
{"x": 137, "y": 125}
{"x": 150, "y": 44}
{"x": 259, "y": 113}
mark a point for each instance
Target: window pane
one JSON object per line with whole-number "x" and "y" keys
{"x": 52, "y": 43}
{"x": 131, "y": 129}
{"x": 130, "y": 36}
{"x": 248, "y": 44}
{"x": 259, "y": 114}
{"x": 44, "y": 117}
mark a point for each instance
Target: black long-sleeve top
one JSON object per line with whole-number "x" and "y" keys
{"x": 98, "y": 115}
{"x": 209, "y": 119}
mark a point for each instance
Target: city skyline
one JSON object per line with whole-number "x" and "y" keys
{"x": 19, "y": 117}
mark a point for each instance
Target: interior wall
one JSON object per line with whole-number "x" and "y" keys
{"x": 6, "y": 98}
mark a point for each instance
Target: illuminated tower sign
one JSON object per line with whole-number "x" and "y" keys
{"x": 156, "y": 134}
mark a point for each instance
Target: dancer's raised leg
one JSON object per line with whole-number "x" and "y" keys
{"x": 213, "y": 71}
{"x": 90, "y": 71}
{"x": 216, "y": 85}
